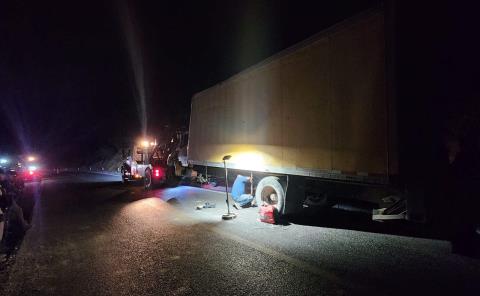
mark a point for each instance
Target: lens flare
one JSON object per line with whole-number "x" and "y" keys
{"x": 137, "y": 60}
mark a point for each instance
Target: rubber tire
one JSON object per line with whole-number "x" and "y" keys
{"x": 147, "y": 180}
{"x": 170, "y": 179}
{"x": 274, "y": 183}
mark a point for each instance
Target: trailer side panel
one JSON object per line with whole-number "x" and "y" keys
{"x": 319, "y": 109}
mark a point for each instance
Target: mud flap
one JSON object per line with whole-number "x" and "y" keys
{"x": 295, "y": 195}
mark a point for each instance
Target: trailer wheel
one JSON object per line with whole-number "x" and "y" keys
{"x": 270, "y": 191}
{"x": 147, "y": 181}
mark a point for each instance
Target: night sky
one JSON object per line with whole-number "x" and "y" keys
{"x": 68, "y": 80}
{"x": 72, "y": 72}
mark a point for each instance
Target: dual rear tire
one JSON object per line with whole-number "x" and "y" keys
{"x": 270, "y": 191}
{"x": 273, "y": 190}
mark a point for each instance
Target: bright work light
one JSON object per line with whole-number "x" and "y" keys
{"x": 145, "y": 144}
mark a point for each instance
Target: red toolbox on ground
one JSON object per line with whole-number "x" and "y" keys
{"x": 267, "y": 214}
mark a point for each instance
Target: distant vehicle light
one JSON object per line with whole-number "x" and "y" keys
{"x": 157, "y": 173}
{"x": 3, "y": 160}
{"x": 31, "y": 158}
{"x": 32, "y": 168}
{"x": 30, "y": 173}
{"x": 137, "y": 176}
{"x": 145, "y": 144}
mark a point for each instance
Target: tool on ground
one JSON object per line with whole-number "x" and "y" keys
{"x": 206, "y": 205}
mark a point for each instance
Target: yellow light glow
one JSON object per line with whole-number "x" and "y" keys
{"x": 145, "y": 143}
{"x": 31, "y": 158}
{"x": 249, "y": 161}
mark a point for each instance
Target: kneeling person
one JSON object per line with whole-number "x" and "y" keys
{"x": 238, "y": 193}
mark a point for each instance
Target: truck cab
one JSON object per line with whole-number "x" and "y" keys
{"x": 145, "y": 163}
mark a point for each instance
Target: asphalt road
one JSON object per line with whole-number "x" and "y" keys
{"x": 94, "y": 236}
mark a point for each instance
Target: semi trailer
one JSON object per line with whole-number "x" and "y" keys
{"x": 327, "y": 121}
{"x": 319, "y": 110}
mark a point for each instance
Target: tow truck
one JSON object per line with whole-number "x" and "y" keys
{"x": 147, "y": 162}
{"x": 156, "y": 163}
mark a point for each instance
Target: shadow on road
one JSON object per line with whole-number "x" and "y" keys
{"x": 341, "y": 219}
{"x": 174, "y": 202}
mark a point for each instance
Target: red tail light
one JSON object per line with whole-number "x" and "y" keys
{"x": 30, "y": 173}
{"x": 158, "y": 172}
